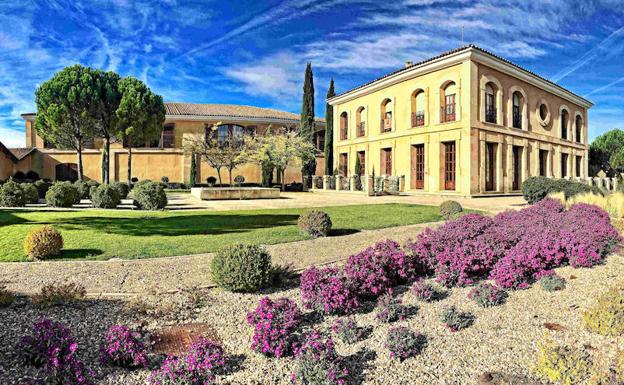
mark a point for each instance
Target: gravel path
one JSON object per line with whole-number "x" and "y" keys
{"x": 171, "y": 273}
{"x": 502, "y": 340}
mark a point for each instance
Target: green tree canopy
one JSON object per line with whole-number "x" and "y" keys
{"x": 607, "y": 152}
{"x": 307, "y": 119}
{"x": 141, "y": 115}
{"x": 66, "y": 109}
{"x": 329, "y": 131}
{"x": 107, "y": 126}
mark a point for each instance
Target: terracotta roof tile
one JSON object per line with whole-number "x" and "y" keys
{"x": 21, "y": 153}
{"x": 8, "y": 152}
{"x": 232, "y": 110}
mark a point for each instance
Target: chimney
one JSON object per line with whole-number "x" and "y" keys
{"x": 409, "y": 63}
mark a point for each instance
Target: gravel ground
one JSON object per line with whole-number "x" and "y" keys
{"x": 502, "y": 341}
{"x": 141, "y": 275}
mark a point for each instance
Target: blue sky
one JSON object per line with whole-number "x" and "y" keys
{"x": 254, "y": 52}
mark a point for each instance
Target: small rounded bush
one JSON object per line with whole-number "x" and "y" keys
{"x": 122, "y": 188}
{"x": 348, "y": 330}
{"x": 486, "y": 295}
{"x": 536, "y": 188}
{"x": 140, "y": 184}
{"x": 426, "y": 291}
{"x": 404, "y": 343}
{"x": 61, "y": 194}
{"x": 42, "y": 187}
{"x": 327, "y": 290}
{"x": 122, "y": 347}
{"x": 83, "y": 189}
{"x": 390, "y": 309}
{"x": 456, "y": 320}
{"x": 275, "y": 323}
{"x": 12, "y": 194}
{"x": 31, "y": 195}
{"x": 43, "y": 242}
{"x": 242, "y": 268}
{"x": 149, "y": 196}
{"x": 105, "y": 197}
{"x": 552, "y": 282}
{"x": 449, "y": 209}
{"x": 607, "y": 316}
{"x": 315, "y": 223}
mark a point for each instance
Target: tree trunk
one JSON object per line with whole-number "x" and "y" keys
{"x": 129, "y": 164}
{"x": 106, "y": 168}
{"x": 230, "y": 172}
{"x": 79, "y": 154}
{"x": 219, "y": 175}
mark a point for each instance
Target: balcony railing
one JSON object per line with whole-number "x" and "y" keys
{"x": 517, "y": 120}
{"x": 361, "y": 129}
{"x": 447, "y": 113}
{"x": 386, "y": 125}
{"x": 418, "y": 119}
{"x": 490, "y": 114}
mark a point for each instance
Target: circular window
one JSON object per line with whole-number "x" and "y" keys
{"x": 543, "y": 113}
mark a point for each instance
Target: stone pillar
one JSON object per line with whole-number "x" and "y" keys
{"x": 549, "y": 163}
{"x": 499, "y": 166}
{"x": 352, "y": 183}
{"x": 326, "y": 182}
{"x": 402, "y": 183}
{"x": 509, "y": 167}
{"x": 525, "y": 159}
{"x": 615, "y": 183}
{"x": 370, "y": 185}
{"x": 482, "y": 166}
{"x": 536, "y": 162}
{"x": 338, "y": 182}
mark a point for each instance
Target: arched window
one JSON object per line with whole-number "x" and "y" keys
{"x": 344, "y": 125}
{"x": 229, "y": 134}
{"x": 490, "y": 103}
{"x": 360, "y": 121}
{"x": 418, "y": 108}
{"x": 517, "y": 105}
{"x": 448, "y": 103}
{"x": 578, "y": 128}
{"x": 565, "y": 119}
{"x": 386, "y": 115}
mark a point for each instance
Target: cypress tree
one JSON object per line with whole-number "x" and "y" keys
{"x": 358, "y": 165}
{"x": 307, "y": 118}
{"x": 329, "y": 131}
{"x": 193, "y": 171}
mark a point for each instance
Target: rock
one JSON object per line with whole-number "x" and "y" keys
{"x": 486, "y": 379}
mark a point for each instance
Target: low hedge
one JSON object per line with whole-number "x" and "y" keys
{"x": 62, "y": 194}
{"x": 536, "y": 188}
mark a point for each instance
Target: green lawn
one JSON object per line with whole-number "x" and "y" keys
{"x": 105, "y": 234}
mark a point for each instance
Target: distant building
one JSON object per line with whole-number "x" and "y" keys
{"x": 165, "y": 156}
{"x": 466, "y": 122}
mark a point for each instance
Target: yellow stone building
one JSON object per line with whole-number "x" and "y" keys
{"x": 466, "y": 122}
{"x": 163, "y": 157}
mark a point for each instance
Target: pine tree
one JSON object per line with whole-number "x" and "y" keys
{"x": 307, "y": 119}
{"x": 329, "y": 131}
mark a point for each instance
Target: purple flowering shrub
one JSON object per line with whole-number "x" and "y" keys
{"x": 456, "y": 320}
{"x": 425, "y": 291}
{"x": 487, "y": 295}
{"x": 390, "y": 309}
{"x": 122, "y": 347}
{"x": 195, "y": 367}
{"x": 318, "y": 362}
{"x": 404, "y": 343}
{"x": 348, "y": 330}
{"x": 52, "y": 348}
{"x": 274, "y": 324}
{"x": 327, "y": 290}
{"x": 378, "y": 268}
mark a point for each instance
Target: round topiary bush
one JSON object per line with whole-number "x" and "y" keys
{"x": 43, "y": 242}
{"x": 122, "y": 189}
{"x": 449, "y": 209}
{"x": 105, "y": 197}
{"x": 315, "y": 223}
{"x": 83, "y": 189}
{"x": 149, "y": 196}
{"x": 42, "y": 187}
{"x": 31, "y": 195}
{"x": 242, "y": 268}
{"x": 141, "y": 184}
{"x": 12, "y": 195}
{"x": 61, "y": 194}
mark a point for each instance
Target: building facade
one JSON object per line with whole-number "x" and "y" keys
{"x": 466, "y": 122}
{"x": 165, "y": 156}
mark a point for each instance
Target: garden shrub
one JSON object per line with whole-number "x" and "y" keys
{"x": 403, "y": 343}
{"x": 197, "y": 366}
{"x": 242, "y": 268}
{"x": 84, "y": 188}
{"x": 149, "y": 196}
{"x": 274, "y": 323}
{"x": 43, "y": 242}
{"x": 348, "y": 330}
{"x": 318, "y": 363}
{"x": 12, "y": 194}
{"x": 315, "y": 223}
{"x": 327, "y": 290}
{"x": 552, "y": 282}
{"x": 487, "y": 295}
{"x": 561, "y": 364}
{"x": 52, "y": 348}
{"x": 31, "y": 195}
{"x": 376, "y": 269}
{"x": 6, "y": 297}
{"x": 105, "y": 197}
{"x": 164, "y": 181}
{"x": 122, "y": 189}
{"x": 456, "y": 320}
{"x": 140, "y": 184}
{"x": 122, "y": 347}
{"x": 62, "y": 194}
{"x": 606, "y": 317}
{"x": 536, "y": 188}
{"x": 42, "y": 187}
{"x": 426, "y": 291}
{"x": 390, "y": 309}
{"x": 450, "y": 209}
{"x": 59, "y": 294}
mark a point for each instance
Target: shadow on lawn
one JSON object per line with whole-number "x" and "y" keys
{"x": 180, "y": 224}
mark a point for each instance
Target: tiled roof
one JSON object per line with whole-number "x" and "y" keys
{"x": 21, "y": 153}
{"x": 451, "y": 52}
{"x": 233, "y": 110}
{"x": 8, "y": 153}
